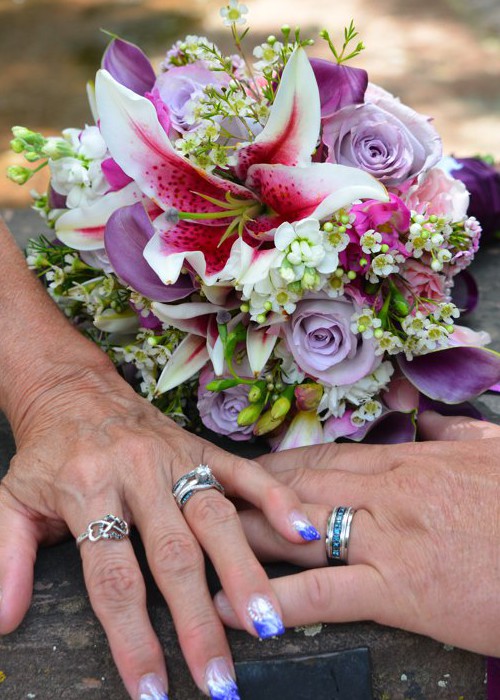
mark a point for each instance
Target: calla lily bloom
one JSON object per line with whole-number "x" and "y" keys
{"x": 278, "y": 180}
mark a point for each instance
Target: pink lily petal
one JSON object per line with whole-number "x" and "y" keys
{"x": 304, "y": 430}
{"x": 315, "y": 191}
{"x": 191, "y": 242}
{"x": 260, "y": 345}
{"x": 189, "y": 357}
{"x": 191, "y": 317}
{"x": 291, "y": 133}
{"x": 138, "y": 143}
{"x": 83, "y": 228}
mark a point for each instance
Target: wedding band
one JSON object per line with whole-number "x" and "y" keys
{"x": 198, "y": 479}
{"x": 109, "y": 528}
{"x": 338, "y": 529}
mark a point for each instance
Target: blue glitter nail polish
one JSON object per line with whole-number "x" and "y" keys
{"x": 220, "y": 683}
{"x": 306, "y": 530}
{"x": 266, "y": 621}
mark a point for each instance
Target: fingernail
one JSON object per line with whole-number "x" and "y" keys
{"x": 220, "y": 682}
{"x": 151, "y": 687}
{"x": 265, "y": 619}
{"x": 304, "y": 527}
{"x": 223, "y": 605}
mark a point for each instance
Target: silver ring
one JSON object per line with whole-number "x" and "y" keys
{"x": 338, "y": 530}
{"x": 198, "y": 479}
{"x": 109, "y": 528}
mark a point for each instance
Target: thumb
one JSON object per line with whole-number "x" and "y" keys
{"x": 434, "y": 426}
{"x": 18, "y": 547}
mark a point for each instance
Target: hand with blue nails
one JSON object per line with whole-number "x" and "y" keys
{"x": 87, "y": 446}
{"x": 424, "y": 545}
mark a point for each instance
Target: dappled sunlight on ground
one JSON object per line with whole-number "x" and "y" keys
{"x": 434, "y": 58}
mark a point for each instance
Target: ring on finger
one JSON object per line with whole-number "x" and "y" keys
{"x": 199, "y": 479}
{"x": 338, "y": 530}
{"x": 109, "y": 528}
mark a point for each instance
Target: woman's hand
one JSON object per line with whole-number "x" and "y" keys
{"x": 89, "y": 446}
{"x": 424, "y": 549}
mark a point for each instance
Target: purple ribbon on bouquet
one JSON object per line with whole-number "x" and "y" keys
{"x": 493, "y": 676}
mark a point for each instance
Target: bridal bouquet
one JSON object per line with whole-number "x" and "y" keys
{"x": 266, "y": 243}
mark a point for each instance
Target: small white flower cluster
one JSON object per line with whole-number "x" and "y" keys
{"x": 384, "y": 264}
{"x": 366, "y": 323}
{"x": 148, "y": 357}
{"x": 361, "y": 394}
{"x": 233, "y": 13}
{"x": 189, "y": 50}
{"x": 429, "y": 235}
{"x": 269, "y": 55}
{"x": 79, "y": 176}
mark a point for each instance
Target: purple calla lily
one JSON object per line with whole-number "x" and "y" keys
{"x": 462, "y": 409}
{"x": 391, "y": 428}
{"x": 129, "y": 66}
{"x": 465, "y": 293}
{"x": 453, "y": 375}
{"x": 127, "y": 233}
{"x": 339, "y": 85}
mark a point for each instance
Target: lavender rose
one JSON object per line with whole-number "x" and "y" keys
{"x": 383, "y": 137}
{"x": 219, "y": 409}
{"x": 320, "y": 338}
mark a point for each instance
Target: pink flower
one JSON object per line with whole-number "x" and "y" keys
{"x": 439, "y": 194}
{"x": 391, "y": 219}
{"x": 320, "y": 339}
{"x": 423, "y": 281}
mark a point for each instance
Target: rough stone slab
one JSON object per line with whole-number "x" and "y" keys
{"x": 61, "y": 651}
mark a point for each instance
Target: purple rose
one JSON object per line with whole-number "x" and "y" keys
{"x": 181, "y": 86}
{"x": 320, "y": 338}
{"x": 483, "y": 182}
{"x": 219, "y": 409}
{"x": 383, "y": 137}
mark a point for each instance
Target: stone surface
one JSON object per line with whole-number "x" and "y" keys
{"x": 61, "y": 651}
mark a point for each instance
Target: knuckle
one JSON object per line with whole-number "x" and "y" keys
{"x": 201, "y": 626}
{"x": 212, "y": 509}
{"x": 176, "y": 554}
{"x": 318, "y": 590}
{"x": 116, "y": 584}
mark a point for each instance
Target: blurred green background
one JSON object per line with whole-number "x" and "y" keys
{"x": 442, "y": 57}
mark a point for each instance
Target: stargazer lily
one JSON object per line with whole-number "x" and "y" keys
{"x": 277, "y": 180}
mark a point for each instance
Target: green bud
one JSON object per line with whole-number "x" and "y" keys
{"x": 268, "y": 305}
{"x": 154, "y": 340}
{"x": 361, "y": 328}
{"x": 222, "y": 384}
{"x": 280, "y": 408}
{"x": 255, "y": 394}
{"x": 339, "y": 272}
{"x": 31, "y": 156}
{"x": 324, "y": 34}
{"x": 328, "y": 227}
{"x": 345, "y": 219}
{"x": 245, "y": 308}
{"x": 271, "y": 39}
{"x": 18, "y": 174}
{"x": 450, "y": 328}
{"x": 384, "y": 248}
{"x": 308, "y": 396}
{"x": 279, "y": 386}
{"x": 351, "y": 275}
{"x": 266, "y": 424}
{"x": 363, "y": 262}
{"x": 270, "y": 386}
{"x": 21, "y": 132}
{"x": 295, "y": 287}
{"x": 378, "y": 333}
{"x": 433, "y": 219}
{"x": 261, "y": 318}
{"x": 310, "y": 279}
{"x": 401, "y": 307}
{"x": 425, "y": 234}
{"x": 17, "y": 145}
{"x": 249, "y": 414}
{"x": 342, "y": 229}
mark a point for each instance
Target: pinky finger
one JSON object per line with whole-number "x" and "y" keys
{"x": 18, "y": 548}
{"x": 340, "y": 594}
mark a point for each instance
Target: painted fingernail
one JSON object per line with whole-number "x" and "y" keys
{"x": 265, "y": 619}
{"x": 220, "y": 682}
{"x": 151, "y": 687}
{"x": 304, "y": 527}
